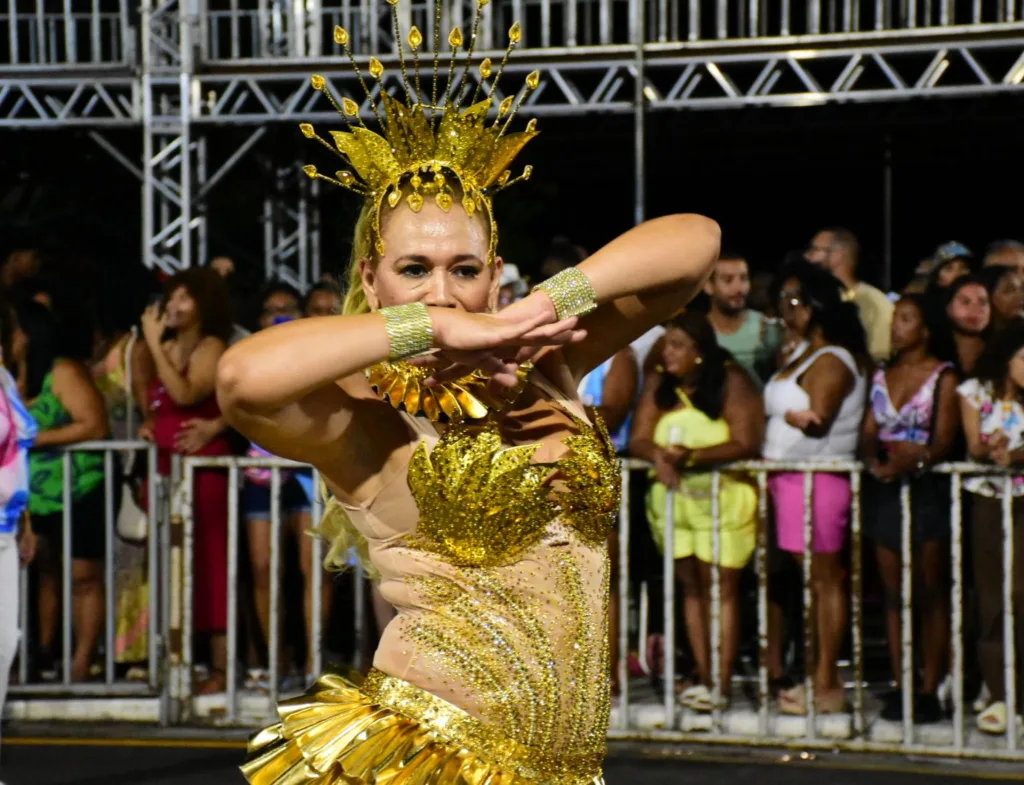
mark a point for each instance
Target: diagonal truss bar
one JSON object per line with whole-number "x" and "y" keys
{"x": 691, "y": 80}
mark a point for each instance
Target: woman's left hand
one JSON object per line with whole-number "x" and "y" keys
{"x": 28, "y": 542}
{"x": 196, "y": 434}
{"x": 154, "y": 322}
{"x": 800, "y": 420}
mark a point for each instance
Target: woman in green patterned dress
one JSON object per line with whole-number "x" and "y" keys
{"x": 64, "y": 401}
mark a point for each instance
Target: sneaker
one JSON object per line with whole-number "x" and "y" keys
{"x": 47, "y": 669}
{"x": 927, "y": 709}
{"x": 892, "y": 706}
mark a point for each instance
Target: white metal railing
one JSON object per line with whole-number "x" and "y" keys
{"x": 857, "y": 730}
{"x": 182, "y": 514}
{"x": 169, "y": 552}
{"x": 83, "y": 32}
{"x": 103, "y": 32}
{"x": 111, "y": 452}
{"x": 254, "y": 29}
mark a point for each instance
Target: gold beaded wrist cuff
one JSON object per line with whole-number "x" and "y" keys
{"x": 571, "y": 293}
{"x": 409, "y": 328}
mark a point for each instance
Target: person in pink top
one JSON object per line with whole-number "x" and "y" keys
{"x": 17, "y": 540}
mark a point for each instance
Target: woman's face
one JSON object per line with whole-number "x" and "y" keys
{"x": 908, "y": 330}
{"x": 969, "y": 309}
{"x": 681, "y": 356}
{"x": 795, "y": 314}
{"x": 323, "y": 303}
{"x": 1016, "y": 369}
{"x": 182, "y": 311}
{"x": 434, "y": 257}
{"x": 952, "y": 270}
{"x": 1008, "y": 296}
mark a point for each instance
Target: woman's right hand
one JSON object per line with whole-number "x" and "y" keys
{"x": 495, "y": 344}
{"x": 665, "y": 462}
{"x": 145, "y": 432}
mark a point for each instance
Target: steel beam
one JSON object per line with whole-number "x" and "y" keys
{"x": 795, "y": 77}
{"x": 291, "y": 227}
{"x": 692, "y": 77}
{"x": 173, "y": 158}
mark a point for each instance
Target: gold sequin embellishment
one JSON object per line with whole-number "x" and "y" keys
{"x": 480, "y": 503}
{"x": 527, "y": 646}
{"x": 592, "y": 482}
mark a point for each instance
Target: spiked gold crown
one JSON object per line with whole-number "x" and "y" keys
{"x": 424, "y": 145}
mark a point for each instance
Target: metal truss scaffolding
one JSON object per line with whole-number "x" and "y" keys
{"x": 173, "y": 162}
{"x": 198, "y": 64}
{"x": 291, "y": 227}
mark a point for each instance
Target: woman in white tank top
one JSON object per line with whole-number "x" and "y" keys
{"x": 814, "y": 407}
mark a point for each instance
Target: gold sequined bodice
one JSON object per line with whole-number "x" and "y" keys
{"x": 482, "y": 503}
{"x": 501, "y": 586}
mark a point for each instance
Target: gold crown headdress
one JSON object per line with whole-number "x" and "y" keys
{"x": 426, "y": 143}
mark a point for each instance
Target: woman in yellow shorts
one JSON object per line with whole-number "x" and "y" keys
{"x": 701, "y": 409}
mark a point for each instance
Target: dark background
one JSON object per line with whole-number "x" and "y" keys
{"x": 771, "y": 177}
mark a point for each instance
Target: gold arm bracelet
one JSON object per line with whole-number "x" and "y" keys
{"x": 409, "y": 329}
{"x": 571, "y": 293}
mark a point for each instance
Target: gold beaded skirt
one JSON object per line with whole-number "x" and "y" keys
{"x": 389, "y": 732}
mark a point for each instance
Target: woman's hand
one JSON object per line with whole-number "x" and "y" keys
{"x": 154, "y": 322}
{"x": 196, "y": 434}
{"x": 999, "y": 449}
{"x": 493, "y": 343}
{"x": 906, "y": 458}
{"x": 536, "y": 305}
{"x": 28, "y": 542}
{"x": 801, "y": 420}
{"x": 667, "y": 461}
{"x": 146, "y": 432}
{"x": 883, "y": 472}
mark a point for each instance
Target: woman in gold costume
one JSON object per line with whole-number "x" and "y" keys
{"x": 459, "y": 460}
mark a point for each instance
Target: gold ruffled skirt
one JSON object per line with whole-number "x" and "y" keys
{"x": 389, "y": 732}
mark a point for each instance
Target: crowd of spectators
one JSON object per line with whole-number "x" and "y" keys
{"x": 827, "y": 367}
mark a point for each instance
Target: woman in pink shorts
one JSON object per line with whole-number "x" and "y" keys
{"x": 814, "y": 407}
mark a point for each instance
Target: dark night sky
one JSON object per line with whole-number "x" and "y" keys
{"x": 769, "y": 176}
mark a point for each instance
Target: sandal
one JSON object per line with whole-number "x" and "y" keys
{"x": 700, "y": 699}
{"x": 993, "y": 719}
{"x": 216, "y": 683}
{"x": 794, "y": 701}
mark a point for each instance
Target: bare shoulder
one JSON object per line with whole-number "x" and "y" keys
{"x": 830, "y": 367}
{"x": 738, "y": 380}
{"x": 66, "y": 370}
{"x": 212, "y": 345}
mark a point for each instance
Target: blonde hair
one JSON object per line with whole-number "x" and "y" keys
{"x": 336, "y": 527}
{"x": 355, "y": 301}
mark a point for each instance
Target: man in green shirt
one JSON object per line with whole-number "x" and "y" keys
{"x": 837, "y": 250}
{"x": 750, "y": 336}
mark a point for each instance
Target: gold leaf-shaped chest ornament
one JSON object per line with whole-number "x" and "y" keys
{"x": 480, "y": 503}
{"x": 467, "y": 398}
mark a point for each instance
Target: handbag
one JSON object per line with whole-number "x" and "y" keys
{"x": 132, "y": 520}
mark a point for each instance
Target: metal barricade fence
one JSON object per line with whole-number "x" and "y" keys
{"x": 171, "y": 594}
{"x": 26, "y": 685}
{"x": 859, "y": 729}
{"x": 230, "y": 708}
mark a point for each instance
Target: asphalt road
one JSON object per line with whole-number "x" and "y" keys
{"x": 40, "y": 761}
